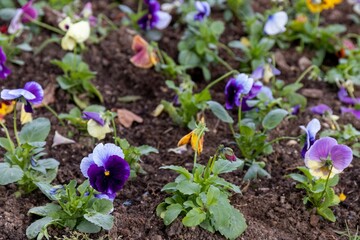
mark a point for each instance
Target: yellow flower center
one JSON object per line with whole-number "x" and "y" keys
{"x": 107, "y": 173}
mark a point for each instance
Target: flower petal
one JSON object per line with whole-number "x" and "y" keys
{"x": 97, "y": 131}
{"x": 320, "y": 151}
{"x": 36, "y": 89}
{"x": 86, "y": 162}
{"x": 341, "y": 156}
{"x": 345, "y": 98}
{"x": 94, "y": 116}
{"x": 354, "y": 112}
{"x": 119, "y": 171}
{"x": 79, "y": 31}
{"x": 102, "y": 152}
{"x": 276, "y": 23}
{"x": 14, "y": 94}
{"x": 163, "y": 21}
{"x": 15, "y": 24}
{"x": 320, "y": 109}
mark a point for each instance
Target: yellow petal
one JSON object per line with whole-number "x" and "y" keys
{"x": 185, "y": 139}
{"x": 79, "y": 31}
{"x": 196, "y": 143}
{"x": 25, "y": 117}
{"x": 67, "y": 43}
{"x": 97, "y": 131}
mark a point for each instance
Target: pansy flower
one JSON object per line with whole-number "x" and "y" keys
{"x": 275, "y": 23}
{"x": 106, "y": 169}
{"x": 326, "y": 158}
{"x": 145, "y": 56}
{"x": 195, "y": 137}
{"x": 311, "y": 130}
{"x": 256, "y": 88}
{"x": 4, "y": 71}
{"x": 265, "y": 72}
{"x": 203, "y": 10}
{"x": 354, "y": 112}
{"x": 236, "y": 87}
{"x": 25, "y": 14}
{"x": 345, "y": 98}
{"x": 97, "y": 127}
{"x": 316, "y": 6}
{"x": 32, "y": 93}
{"x": 76, "y": 33}
{"x": 154, "y": 18}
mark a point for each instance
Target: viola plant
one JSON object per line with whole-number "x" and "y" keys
{"x": 200, "y": 197}
{"x": 88, "y": 207}
{"x": 324, "y": 161}
{"x": 77, "y": 79}
{"x": 23, "y": 163}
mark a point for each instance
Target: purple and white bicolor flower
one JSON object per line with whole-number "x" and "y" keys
{"x": 32, "y": 93}
{"x": 106, "y": 169}
{"x": 94, "y": 116}
{"x": 265, "y": 72}
{"x": 275, "y": 23}
{"x": 25, "y": 14}
{"x": 326, "y": 158}
{"x": 321, "y": 109}
{"x": 154, "y": 18}
{"x": 256, "y": 88}
{"x": 236, "y": 87}
{"x": 203, "y": 10}
{"x": 311, "y": 130}
{"x": 345, "y": 98}
{"x": 4, "y": 71}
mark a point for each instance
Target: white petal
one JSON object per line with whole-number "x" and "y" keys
{"x": 164, "y": 20}
{"x": 276, "y": 23}
{"x": 103, "y": 152}
{"x": 86, "y": 162}
{"x": 97, "y": 131}
{"x": 59, "y": 140}
{"x": 67, "y": 43}
{"x": 79, "y": 31}
{"x": 65, "y": 24}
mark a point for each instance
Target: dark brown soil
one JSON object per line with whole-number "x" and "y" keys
{"x": 272, "y": 207}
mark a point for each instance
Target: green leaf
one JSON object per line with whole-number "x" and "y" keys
{"x": 217, "y": 27}
{"x": 194, "y": 217}
{"x": 161, "y": 208}
{"x": 145, "y": 150}
{"x": 7, "y": 14}
{"x": 188, "y": 58}
{"x": 225, "y": 166}
{"x": 179, "y": 169}
{"x": 88, "y": 227}
{"x": 35, "y": 131}
{"x": 219, "y": 111}
{"x": 171, "y": 213}
{"x": 10, "y": 174}
{"x": 45, "y": 210}
{"x": 103, "y": 206}
{"x": 212, "y": 196}
{"x": 105, "y": 221}
{"x": 274, "y": 118}
{"x": 298, "y": 177}
{"x": 188, "y": 188}
{"x": 36, "y": 227}
{"x": 326, "y": 213}
{"x": 255, "y": 171}
{"x": 6, "y": 144}
{"x": 24, "y": 47}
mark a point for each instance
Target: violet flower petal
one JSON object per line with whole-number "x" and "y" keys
{"x": 320, "y": 151}
{"x": 29, "y": 12}
{"x": 14, "y": 94}
{"x": 258, "y": 73}
{"x": 15, "y": 24}
{"x": 36, "y": 89}
{"x": 345, "y": 98}
{"x": 203, "y": 10}
{"x": 320, "y": 109}
{"x": 2, "y": 55}
{"x": 341, "y": 156}
{"x": 102, "y": 152}
{"x": 85, "y": 164}
{"x": 94, "y": 116}
{"x": 354, "y": 112}
{"x": 4, "y": 71}
{"x": 312, "y": 128}
{"x": 119, "y": 172}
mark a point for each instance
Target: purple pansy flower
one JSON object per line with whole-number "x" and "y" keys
{"x": 203, "y": 10}
{"x": 94, "y": 116}
{"x": 311, "y": 129}
{"x": 345, "y": 98}
{"x": 256, "y": 88}
{"x": 353, "y": 111}
{"x": 321, "y": 109}
{"x": 106, "y": 169}
{"x": 4, "y": 71}
{"x": 240, "y": 85}
{"x": 154, "y": 18}
{"x": 326, "y": 158}
{"x": 32, "y": 93}
{"x": 295, "y": 109}
{"x": 25, "y": 14}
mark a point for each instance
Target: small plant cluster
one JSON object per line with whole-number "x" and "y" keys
{"x": 254, "y": 102}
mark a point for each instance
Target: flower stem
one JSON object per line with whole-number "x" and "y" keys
{"x": 304, "y": 73}
{"x": 232, "y": 129}
{"x": 326, "y": 184}
{"x": 48, "y": 27}
{"x": 216, "y": 81}
{"x": 114, "y": 127}
{"x": 15, "y": 127}
{"x": 55, "y": 114}
{"x": 239, "y": 113}
{"x": 224, "y": 63}
{"x": 8, "y": 136}
{"x": 317, "y": 21}
{"x": 140, "y": 6}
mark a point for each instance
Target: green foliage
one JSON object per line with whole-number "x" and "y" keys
{"x": 75, "y": 115}
{"x": 199, "y": 45}
{"x": 77, "y": 79}
{"x": 201, "y": 198}
{"x": 133, "y": 155}
{"x": 319, "y": 192}
{"x": 73, "y": 207}
{"x": 23, "y": 164}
